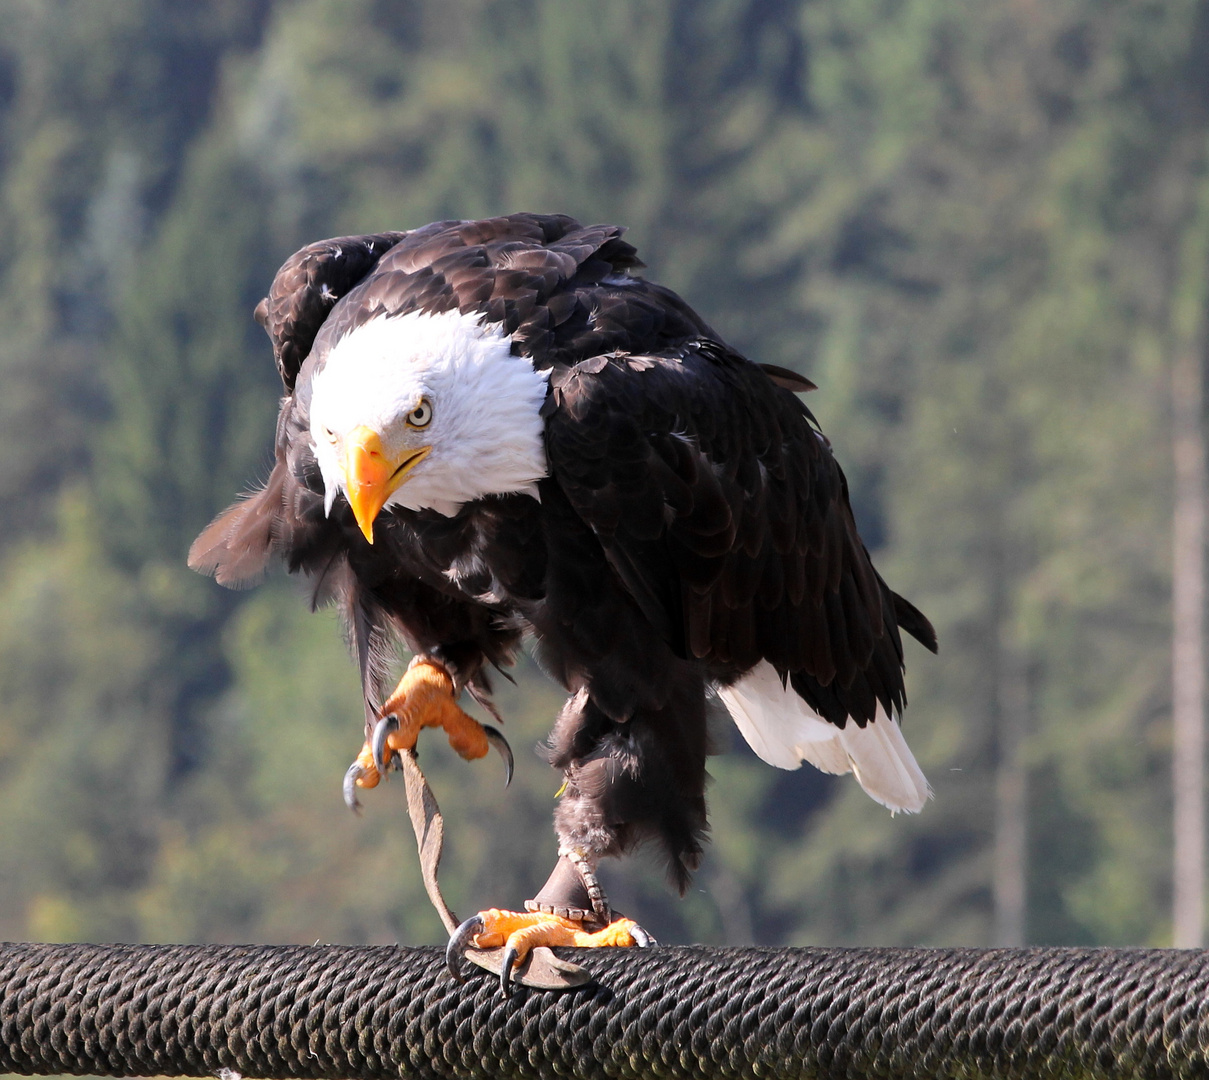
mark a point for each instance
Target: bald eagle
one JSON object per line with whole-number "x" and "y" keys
{"x": 495, "y": 431}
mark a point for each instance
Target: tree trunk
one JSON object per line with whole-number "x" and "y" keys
{"x": 1188, "y": 311}
{"x": 1188, "y": 647}
{"x": 1010, "y": 883}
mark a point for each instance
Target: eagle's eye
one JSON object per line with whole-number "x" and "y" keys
{"x": 330, "y": 435}
{"x": 421, "y": 415}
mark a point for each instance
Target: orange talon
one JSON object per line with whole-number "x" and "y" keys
{"x": 501, "y": 927}
{"x": 520, "y": 932}
{"x": 424, "y": 698}
{"x": 369, "y": 775}
{"x": 362, "y": 773}
{"x": 620, "y": 932}
{"x": 558, "y": 931}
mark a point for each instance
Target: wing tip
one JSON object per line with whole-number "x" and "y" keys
{"x": 885, "y": 766}
{"x": 915, "y": 622}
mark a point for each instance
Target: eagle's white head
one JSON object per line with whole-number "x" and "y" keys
{"x": 427, "y": 412}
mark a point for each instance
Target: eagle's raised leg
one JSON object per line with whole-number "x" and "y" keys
{"x": 571, "y": 909}
{"x": 423, "y": 698}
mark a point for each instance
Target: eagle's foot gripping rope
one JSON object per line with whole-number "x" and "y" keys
{"x": 520, "y": 932}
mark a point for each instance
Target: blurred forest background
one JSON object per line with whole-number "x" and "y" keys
{"x": 982, "y": 229}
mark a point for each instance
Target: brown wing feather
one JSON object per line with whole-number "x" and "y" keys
{"x": 235, "y": 547}
{"x": 754, "y": 554}
{"x": 308, "y": 286}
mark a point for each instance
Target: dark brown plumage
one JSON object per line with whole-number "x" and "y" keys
{"x": 692, "y": 523}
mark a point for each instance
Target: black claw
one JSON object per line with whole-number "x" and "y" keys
{"x": 510, "y": 955}
{"x": 497, "y": 740}
{"x": 355, "y": 772}
{"x": 459, "y": 941}
{"x": 641, "y": 938}
{"x": 382, "y": 728}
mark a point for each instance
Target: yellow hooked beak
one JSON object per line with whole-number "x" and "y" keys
{"x": 371, "y": 476}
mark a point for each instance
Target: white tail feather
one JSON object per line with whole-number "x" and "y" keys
{"x": 783, "y": 730}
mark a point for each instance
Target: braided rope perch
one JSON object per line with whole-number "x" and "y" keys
{"x": 336, "y": 1011}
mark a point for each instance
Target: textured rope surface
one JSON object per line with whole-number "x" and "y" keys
{"x": 335, "y": 1011}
